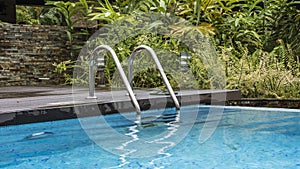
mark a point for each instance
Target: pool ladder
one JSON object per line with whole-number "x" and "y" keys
{"x": 128, "y": 84}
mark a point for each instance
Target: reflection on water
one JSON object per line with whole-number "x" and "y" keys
{"x": 173, "y": 127}
{"x": 128, "y": 136}
{"x": 167, "y": 121}
{"x": 133, "y": 133}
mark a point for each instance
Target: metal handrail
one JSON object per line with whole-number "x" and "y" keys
{"x": 121, "y": 71}
{"x": 159, "y": 67}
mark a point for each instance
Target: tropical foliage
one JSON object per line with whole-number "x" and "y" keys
{"x": 257, "y": 40}
{"x": 38, "y": 15}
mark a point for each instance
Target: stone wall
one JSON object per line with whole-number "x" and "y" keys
{"x": 27, "y": 53}
{"x": 267, "y": 102}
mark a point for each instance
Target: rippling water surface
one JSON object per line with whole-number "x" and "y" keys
{"x": 244, "y": 138}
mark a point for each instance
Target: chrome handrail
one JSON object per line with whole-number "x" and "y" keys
{"x": 159, "y": 67}
{"x": 121, "y": 71}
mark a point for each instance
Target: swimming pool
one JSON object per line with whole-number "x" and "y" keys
{"x": 244, "y": 138}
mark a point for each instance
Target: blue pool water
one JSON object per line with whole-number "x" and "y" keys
{"x": 244, "y": 138}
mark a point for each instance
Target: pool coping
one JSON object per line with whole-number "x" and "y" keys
{"x": 44, "y": 108}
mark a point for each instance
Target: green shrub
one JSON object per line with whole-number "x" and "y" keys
{"x": 257, "y": 42}
{"x": 262, "y": 74}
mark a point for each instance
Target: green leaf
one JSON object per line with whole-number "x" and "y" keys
{"x": 70, "y": 37}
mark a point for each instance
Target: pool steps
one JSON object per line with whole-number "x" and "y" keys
{"x": 128, "y": 84}
{"x": 159, "y": 67}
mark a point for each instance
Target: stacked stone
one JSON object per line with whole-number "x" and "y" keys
{"x": 267, "y": 102}
{"x": 27, "y": 54}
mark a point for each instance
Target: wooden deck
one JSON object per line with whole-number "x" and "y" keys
{"x": 25, "y": 104}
